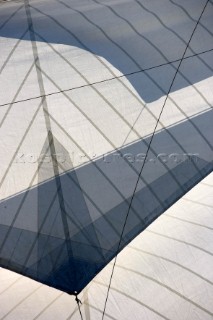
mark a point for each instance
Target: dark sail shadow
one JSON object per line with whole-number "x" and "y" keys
{"x": 64, "y": 230}
{"x": 32, "y": 235}
{"x": 106, "y": 33}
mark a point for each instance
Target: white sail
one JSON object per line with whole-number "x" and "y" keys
{"x": 106, "y": 124}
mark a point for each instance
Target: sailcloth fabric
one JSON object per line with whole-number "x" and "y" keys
{"x": 106, "y": 121}
{"x": 164, "y": 273}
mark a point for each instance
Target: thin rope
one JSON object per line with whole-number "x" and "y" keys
{"x": 115, "y": 260}
{"x": 78, "y": 301}
{"x": 105, "y": 80}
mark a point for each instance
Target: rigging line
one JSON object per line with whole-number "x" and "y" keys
{"x": 130, "y": 204}
{"x": 156, "y": 47}
{"x": 111, "y": 41}
{"x": 95, "y": 126}
{"x": 78, "y": 301}
{"x": 105, "y": 80}
{"x": 145, "y": 73}
{"x": 131, "y": 126}
{"x": 169, "y": 29}
{"x": 163, "y": 55}
{"x": 189, "y": 16}
{"x": 150, "y": 78}
{"x": 134, "y": 299}
{"x": 89, "y": 50}
{"x": 74, "y": 142}
{"x": 132, "y": 129}
{"x": 123, "y": 119}
{"x": 143, "y": 37}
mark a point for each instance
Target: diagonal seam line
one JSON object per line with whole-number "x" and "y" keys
{"x": 20, "y": 302}
{"x": 105, "y": 80}
{"x": 22, "y": 202}
{"x": 123, "y": 119}
{"x": 133, "y": 299}
{"x": 189, "y": 16}
{"x": 138, "y": 33}
{"x": 170, "y": 30}
{"x": 17, "y": 93}
{"x": 58, "y": 23}
{"x": 104, "y": 136}
{"x": 144, "y": 38}
{"x": 166, "y": 287}
{"x": 134, "y": 130}
{"x": 198, "y": 202}
{"x": 49, "y": 131}
{"x": 12, "y": 284}
{"x": 131, "y": 127}
{"x": 35, "y": 240}
{"x": 78, "y": 146}
{"x": 187, "y": 221}
{"x": 47, "y": 15}
{"x": 110, "y": 142}
{"x": 46, "y": 215}
{"x": 48, "y": 306}
{"x": 26, "y": 193}
{"x": 72, "y": 314}
{"x": 20, "y": 143}
{"x": 13, "y": 50}
{"x": 10, "y": 17}
{"x": 163, "y": 55}
{"x": 176, "y": 106}
{"x": 207, "y": 184}
{"x": 99, "y": 310}
{"x": 171, "y": 261}
{"x": 152, "y": 44}
{"x": 145, "y": 73}
{"x": 181, "y": 241}
{"x": 147, "y": 154}
{"x": 92, "y": 160}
